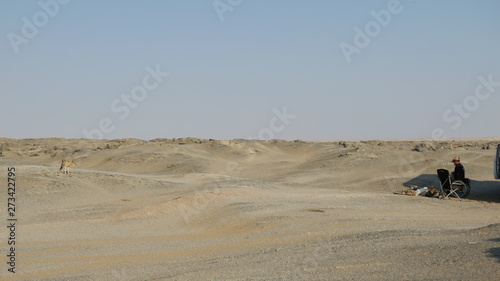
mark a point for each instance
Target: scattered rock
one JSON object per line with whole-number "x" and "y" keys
{"x": 423, "y": 147}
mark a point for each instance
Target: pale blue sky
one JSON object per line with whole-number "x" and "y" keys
{"x": 228, "y": 78}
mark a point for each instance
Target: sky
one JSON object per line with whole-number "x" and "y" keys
{"x": 250, "y": 69}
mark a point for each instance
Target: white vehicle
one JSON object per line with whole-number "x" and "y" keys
{"x": 497, "y": 164}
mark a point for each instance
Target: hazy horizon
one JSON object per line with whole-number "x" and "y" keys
{"x": 328, "y": 70}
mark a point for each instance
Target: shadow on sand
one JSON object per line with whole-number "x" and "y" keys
{"x": 495, "y": 252}
{"x": 488, "y": 191}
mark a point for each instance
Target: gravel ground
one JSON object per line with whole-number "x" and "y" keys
{"x": 248, "y": 210}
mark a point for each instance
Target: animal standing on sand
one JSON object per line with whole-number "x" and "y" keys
{"x": 66, "y": 164}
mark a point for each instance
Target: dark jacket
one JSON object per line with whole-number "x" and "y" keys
{"x": 459, "y": 173}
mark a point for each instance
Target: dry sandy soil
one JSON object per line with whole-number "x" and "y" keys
{"x": 191, "y": 209}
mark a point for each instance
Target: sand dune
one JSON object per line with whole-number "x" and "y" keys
{"x": 194, "y": 209}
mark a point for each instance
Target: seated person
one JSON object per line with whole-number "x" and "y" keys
{"x": 459, "y": 173}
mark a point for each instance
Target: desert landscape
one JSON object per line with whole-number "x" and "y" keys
{"x": 196, "y": 209}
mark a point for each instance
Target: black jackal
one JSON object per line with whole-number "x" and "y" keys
{"x": 66, "y": 164}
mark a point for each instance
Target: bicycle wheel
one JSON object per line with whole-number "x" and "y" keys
{"x": 460, "y": 189}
